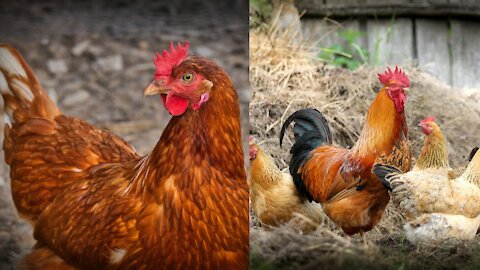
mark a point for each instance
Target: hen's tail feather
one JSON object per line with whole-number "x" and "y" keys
{"x": 472, "y": 153}
{"x": 311, "y": 130}
{"x": 386, "y": 173}
{"x": 22, "y": 94}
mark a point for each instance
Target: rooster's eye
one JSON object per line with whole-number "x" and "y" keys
{"x": 187, "y": 77}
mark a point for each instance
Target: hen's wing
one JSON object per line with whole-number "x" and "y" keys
{"x": 436, "y": 228}
{"x": 431, "y": 191}
{"x": 104, "y": 222}
{"x": 93, "y": 217}
{"x": 45, "y": 149}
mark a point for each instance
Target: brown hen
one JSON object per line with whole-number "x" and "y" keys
{"x": 96, "y": 204}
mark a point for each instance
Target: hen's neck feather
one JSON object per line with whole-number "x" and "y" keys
{"x": 382, "y": 129}
{"x": 197, "y": 143}
{"x": 264, "y": 172}
{"x": 434, "y": 152}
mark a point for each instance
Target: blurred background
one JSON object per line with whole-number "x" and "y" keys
{"x": 95, "y": 57}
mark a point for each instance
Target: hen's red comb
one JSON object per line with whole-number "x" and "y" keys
{"x": 166, "y": 61}
{"x": 428, "y": 119}
{"x": 397, "y": 76}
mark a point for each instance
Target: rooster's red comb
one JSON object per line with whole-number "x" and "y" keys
{"x": 166, "y": 61}
{"x": 397, "y": 76}
{"x": 428, "y": 119}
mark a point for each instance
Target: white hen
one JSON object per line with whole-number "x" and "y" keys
{"x": 436, "y": 207}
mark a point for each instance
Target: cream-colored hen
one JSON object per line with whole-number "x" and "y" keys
{"x": 436, "y": 207}
{"x": 275, "y": 199}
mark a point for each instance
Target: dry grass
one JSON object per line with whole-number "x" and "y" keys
{"x": 285, "y": 77}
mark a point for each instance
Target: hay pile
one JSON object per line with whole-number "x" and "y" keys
{"x": 285, "y": 77}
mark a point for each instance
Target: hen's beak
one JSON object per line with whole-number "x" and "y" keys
{"x": 154, "y": 88}
{"x": 406, "y": 89}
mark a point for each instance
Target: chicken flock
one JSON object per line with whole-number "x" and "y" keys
{"x": 353, "y": 186}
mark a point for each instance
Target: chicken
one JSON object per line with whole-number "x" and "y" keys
{"x": 435, "y": 140}
{"x": 436, "y": 207}
{"x": 275, "y": 199}
{"x": 432, "y": 160}
{"x": 96, "y": 204}
{"x": 434, "y": 154}
{"x": 341, "y": 179}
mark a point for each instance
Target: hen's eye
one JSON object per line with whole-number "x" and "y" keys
{"x": 187, "y": 77}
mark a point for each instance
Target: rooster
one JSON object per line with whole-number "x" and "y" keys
{"x": 436, "y": 207}
{"x": 341, "y": 179}
{"x": 275, "y": 199}
{"x": 96, "y": 204}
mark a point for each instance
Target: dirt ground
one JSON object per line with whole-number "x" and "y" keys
{"x": 95, "y": 57}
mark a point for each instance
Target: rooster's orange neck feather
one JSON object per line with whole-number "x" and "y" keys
{"x": 383, "y": 127}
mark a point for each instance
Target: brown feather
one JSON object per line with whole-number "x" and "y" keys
{"x": 96, "y": 204}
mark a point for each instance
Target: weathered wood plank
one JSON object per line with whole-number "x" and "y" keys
{"x": 342, "y": 8}
{"x": 325, "y": 33}
{"x": 375, "y": 3}
{"x": 344, "y": 2}
{"x": 450, "y": 54}
{"x": 432, "y": 48}
{"x": 460, "y": 2}
{"x": 390, "y": 44}
{"x": 466, "y": 54}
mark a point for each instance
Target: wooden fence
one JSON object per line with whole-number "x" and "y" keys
{"x": 441, "y": 36}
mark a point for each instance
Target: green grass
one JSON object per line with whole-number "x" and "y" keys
{"x": 260, "y": 13}
{"x": 351, "y": 55}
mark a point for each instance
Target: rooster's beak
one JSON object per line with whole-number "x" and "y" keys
{"x": 154, "y": 88}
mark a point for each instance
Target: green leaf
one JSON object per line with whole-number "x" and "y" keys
{"x": 352, "y": 56}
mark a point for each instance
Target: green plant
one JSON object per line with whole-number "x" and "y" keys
{"x": 259, "y": 13}
{"x": 351, "y": 55}
{"x": 378, "y": 41}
